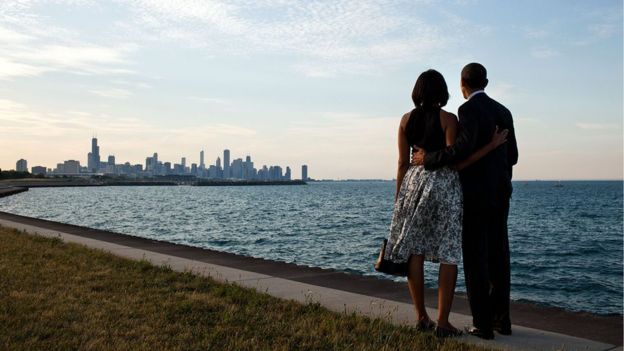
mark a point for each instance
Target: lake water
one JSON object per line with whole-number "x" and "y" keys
{"x": 565, "y": 238}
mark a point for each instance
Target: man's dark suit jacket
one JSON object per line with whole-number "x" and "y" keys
{"x": 487, "y": 182}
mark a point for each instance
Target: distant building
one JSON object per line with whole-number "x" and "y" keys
{"x": 287, "y": 175}
{"x": 71, "y": 167}
{"x": 226, "y": 164}
{"x": 21, "y": 165}
{"x": 150, "y": 165}
{"x": 178, "y": 169}
{"x": 110, "y": 166}
{"x": 275, "y": 173}
{"x": 126, "y": 169}
{"x": 202, "y": 165}
{"x": 236, "y": 169}
{"x": 249, "y": 172}
{"x": 213, "y": 172}
{"x": 194, "y": 168}
{"x": 93, "y": 158}
{"x": 304, "y": 172}
{"x": 38, "y": 170}
{"x": 263, "y": 173}
{"x": 218, "y": 170}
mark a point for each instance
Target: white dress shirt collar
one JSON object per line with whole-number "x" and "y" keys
{"x": 475, "y": 93}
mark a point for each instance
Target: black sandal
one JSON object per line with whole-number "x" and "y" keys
{"x": 445, "y": 333}
{"x": 424, "y": 325}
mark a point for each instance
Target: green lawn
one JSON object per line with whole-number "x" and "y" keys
{"x": 61, "y": 296}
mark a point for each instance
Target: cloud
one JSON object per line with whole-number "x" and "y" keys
{"x": 31, "y": 47}
{"x": 536, "y": 33}
{"x": 322, "y": 38}
{"x": 604, "y": 30}
{"x": 211, "y": 100}
{"x": 77, "y": 59}
{"x": 319, "y": 38}
{"x": 10, "y": 69}
{"x": 544, "y": 53}
{"x": 113, "y": 93}
{"x": 596, "y": 126}
{"x": 10, "y": 36}
{"x": 501, "y": 90}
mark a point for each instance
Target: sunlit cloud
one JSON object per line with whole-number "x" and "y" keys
{"x": 326, "y": 38}
{"x": 209, "y": 100}
{"x": 596, "y": 126}
{"x": 10, "y": 69}
{"x": 113, "y": 93}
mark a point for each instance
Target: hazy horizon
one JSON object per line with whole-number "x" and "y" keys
{"x": 322, "y": 83}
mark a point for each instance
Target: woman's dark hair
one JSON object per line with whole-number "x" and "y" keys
{"x": 430, "y": 90}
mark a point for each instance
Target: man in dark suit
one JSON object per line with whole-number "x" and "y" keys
{"x": 486, "y": 185}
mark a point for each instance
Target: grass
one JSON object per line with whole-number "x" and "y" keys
{"x": 63, "y": 296}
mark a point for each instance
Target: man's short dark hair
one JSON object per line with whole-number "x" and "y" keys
{"x": 474, "y": 76}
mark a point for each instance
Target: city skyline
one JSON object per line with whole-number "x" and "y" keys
{"x": 153, "y": 166}
{"x": 324, "y": 81}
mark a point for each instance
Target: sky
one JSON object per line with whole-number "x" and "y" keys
{"x": 322, "y": 83}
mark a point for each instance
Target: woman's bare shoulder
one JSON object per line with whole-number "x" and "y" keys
{"x": 447, "y": 115}
{"x": 447, "y": 118}
{"x": 405, "y": 119}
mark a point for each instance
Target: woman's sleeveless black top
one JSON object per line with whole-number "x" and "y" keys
{"x": 424, "y": 130}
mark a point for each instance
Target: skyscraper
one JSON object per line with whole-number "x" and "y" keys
{"x": 236, "y": 171}
{"x": 202, "y": 165}
{"x": 149, "y": 164}
{"x": 287, "y": 175}
{"x": 110, "y": 165}
{"x": 155, "y": 168}
{"x": 93, "y": 161}
{"x": 304, "y": 172}
{"x": 248, "y": 169}
{"x": 21, "y": 165}
{"x": 226, "y": 163}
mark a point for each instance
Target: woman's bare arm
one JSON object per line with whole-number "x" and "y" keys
{"x": 497, "y": 139}
{"x": 404, "y": 150}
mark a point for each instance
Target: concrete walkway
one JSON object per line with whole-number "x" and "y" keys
{"x": 289, "y": 285}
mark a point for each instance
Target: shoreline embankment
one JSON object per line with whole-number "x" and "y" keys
{"x": 11, "y": 190}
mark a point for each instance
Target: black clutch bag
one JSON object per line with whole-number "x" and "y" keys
{"x": 386, "y": 266}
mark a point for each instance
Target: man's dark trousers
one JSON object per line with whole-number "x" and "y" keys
{"x": 486, "y": 263}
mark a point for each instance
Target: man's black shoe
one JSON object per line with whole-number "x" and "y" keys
{"x": 503, "y": 329}
{"x": 483, "y": 334}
